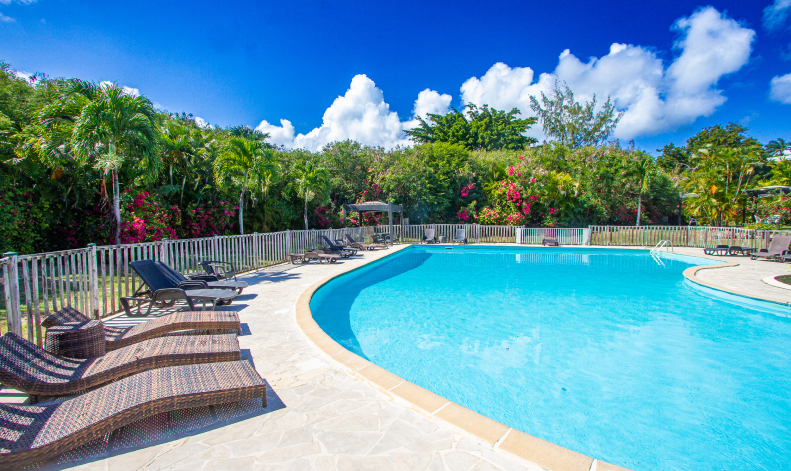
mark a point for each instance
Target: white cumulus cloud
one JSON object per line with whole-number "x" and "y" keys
{"x": 135, "y": 92}
{"x": 361, "y": 114}
{"x": 776, "y": 14}
{"x": 23, "y": 2}
{"x": 780, "y": 89}
{"x": 655, "y": 99}
{"x": 6, "y": 19}
{"x": 202, "y": 123}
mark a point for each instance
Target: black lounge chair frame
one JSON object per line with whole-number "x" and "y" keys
{"x": 161, "y": 292}
{"x": 212, "y": 282}
{"x": 717, "y": 250}
{"x": 341, "y": 250}
{"x": 222, "y": 270}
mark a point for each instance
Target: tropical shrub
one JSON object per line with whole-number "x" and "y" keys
{"x": 145, "y": 221}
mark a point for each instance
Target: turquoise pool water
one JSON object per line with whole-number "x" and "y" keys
{"x": 607, "y": 352}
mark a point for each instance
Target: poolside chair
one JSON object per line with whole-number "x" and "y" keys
{"x": 461, "y": 236}
{"x": 341, "y": 250}
{"x": 777, "y": 247}
{"x": 33, "y": 434}
{"x": 35, "y": 371}
{"x": 364, "y": 246}
{"x": 116, "y": 337}
{"x": 211, "y": 281}
{"x": 717, "y": 250}
{"x": 428, "y": 236}
{"x": 737, "y": 249}
{"x": 161, "y": 291}
{"x": 550, "y": 242}
{"x": 222, "y": 270}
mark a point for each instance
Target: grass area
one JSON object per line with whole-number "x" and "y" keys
{"x": 784, "y": 279}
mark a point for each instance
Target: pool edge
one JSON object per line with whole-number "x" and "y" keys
{"x": 691, "y": 275}
{"x": 499, "y": 436}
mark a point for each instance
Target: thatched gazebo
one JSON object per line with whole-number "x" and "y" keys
{"x": 374, "y": 207}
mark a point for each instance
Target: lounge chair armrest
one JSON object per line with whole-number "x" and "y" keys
{"x": 192, "y": 284}
{"x": 227, "y": 268}
{"x": 204, "y": 277}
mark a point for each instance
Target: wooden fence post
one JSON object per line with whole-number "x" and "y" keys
{"x": 11, "y": 282}
{"x": 93, "y": 279}
{"x": 163, "y": 252}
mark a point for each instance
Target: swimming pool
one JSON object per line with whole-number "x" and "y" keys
{"x": 607, "y": 352}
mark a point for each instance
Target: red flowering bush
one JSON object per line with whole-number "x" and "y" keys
{"x": 143, "y": 220}
{"x": 208, "y": 219}
{"x": 490, "y": 217}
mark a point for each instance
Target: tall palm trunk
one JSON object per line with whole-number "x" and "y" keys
{"x": 116, "y": 207}
{"x": 305, "y": 213}
{"x": 639, "y": 207}
{"x": 241, "y": 210}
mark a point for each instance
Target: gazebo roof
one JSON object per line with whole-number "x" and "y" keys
{"x": 372, "y": 206}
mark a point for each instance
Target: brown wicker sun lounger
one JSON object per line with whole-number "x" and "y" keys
{"x": 29, "y": 368}
{"x": 117, "y": 337}
{"x": 33, "y": 434}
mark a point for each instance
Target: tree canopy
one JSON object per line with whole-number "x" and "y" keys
{"x": 572, "y": 123}
{"x": 475, "y": 129}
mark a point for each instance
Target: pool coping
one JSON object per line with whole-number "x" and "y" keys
{"x": 691, "y": 275}
{"x": 498, "y": 436}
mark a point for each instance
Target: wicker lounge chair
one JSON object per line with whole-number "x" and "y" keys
{"x": 117, "y": 337}
{"x": 777, "y": 247}
{"x": 222, "y": 270}
{"x": 717, "y": 250}
{"x": 29, "y": 368}
{"x": 550, "y": 242}
{"x": 738, "y": 249}
{"x": 33, "y": 434}
{"x": 212, "y": 282}
{"x": 461, "y": 236}
{"x": 428, "y": 236}
{"x": 341, "y": 250}
{"x": 161, "y": 291}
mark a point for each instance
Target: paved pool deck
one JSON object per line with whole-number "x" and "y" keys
{"x": 321, "y": 414}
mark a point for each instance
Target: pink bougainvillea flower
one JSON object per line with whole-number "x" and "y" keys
{"x": 533, "y": 180}
{"x": 510, "y": 170}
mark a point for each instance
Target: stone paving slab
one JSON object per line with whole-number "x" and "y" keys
{"x": 321, "y": 415}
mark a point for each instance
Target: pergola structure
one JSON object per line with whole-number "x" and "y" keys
{"x": 374, "y": 207}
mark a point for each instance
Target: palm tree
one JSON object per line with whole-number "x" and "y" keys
{"x": 643, "y": 170}
{"x": 310, "y": 182}
{"x": 778, "y": 147}
{"x": 250, "y": 165}
{"x": 112, "y": 127}
{"x": 178, "y": 147}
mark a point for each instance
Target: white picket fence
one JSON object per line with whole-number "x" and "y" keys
{"x": 92, "y": 279}
{"x": 681, "y": 236}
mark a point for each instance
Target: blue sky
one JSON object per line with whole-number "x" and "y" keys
{"x": 673, "y": 66}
